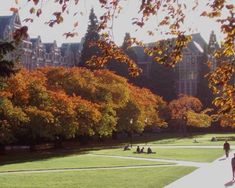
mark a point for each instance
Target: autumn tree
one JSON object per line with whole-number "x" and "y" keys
{"x": 182, "y": 109}
{"x": 92, "y": 36}
{"x": 12, "y": 121}
{"x": 171, "y": 20}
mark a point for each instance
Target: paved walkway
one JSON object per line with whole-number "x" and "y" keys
{"x": 217, "y": 174}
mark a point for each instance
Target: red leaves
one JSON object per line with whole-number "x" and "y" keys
{"x": 70, "y": 34}
{"x": 39, "y": 12}
{"x": 231, "y": 6}
{"x": 28, "y": 20}
{"x": 20, "y": 34}
{"x": 14, "y": 10}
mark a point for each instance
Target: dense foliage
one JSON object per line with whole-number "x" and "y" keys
{"x": 187, "y": 111}
{"x": 55, "y": 103}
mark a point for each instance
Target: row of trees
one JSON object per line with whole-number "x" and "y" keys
{"x": 57, "y": 103}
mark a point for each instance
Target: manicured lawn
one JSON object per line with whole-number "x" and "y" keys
{"x": 74, "y": 161}
{"x": 189, "y": 154}
{"x": 176, "y": 139}
{"x": 124, "y": 178}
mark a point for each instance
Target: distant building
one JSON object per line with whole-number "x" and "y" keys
{"x": 188, "y": 69}
{"x": 71, "y": 53}
{"x": 186, "y": 73}
{"x": 34, "y": 53}
{"x": 212, "y": 47}
{"x": 8, "y": 24}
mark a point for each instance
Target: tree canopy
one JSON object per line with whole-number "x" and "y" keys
{"x": 221, "y": 80}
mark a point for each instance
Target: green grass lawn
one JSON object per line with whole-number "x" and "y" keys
{"x": 124, "y": 178}
{"x": 176, "y": 139}
{"x": 74, "y": 161}
{"x": 188, "y": 154}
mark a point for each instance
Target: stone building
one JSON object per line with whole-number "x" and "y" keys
{"x": 186, "y": 73}
{"x": 33, "y": 52}
{"x": 8, "y": 24}
{"x": 188, "y": 69}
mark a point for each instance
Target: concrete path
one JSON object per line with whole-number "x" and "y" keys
{"x": 179, "y": 162}
{"x": 217, "y": 174}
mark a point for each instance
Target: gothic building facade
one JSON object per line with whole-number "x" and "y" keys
{"x": 185, "y": 77}
{"x": 33, "y": 52}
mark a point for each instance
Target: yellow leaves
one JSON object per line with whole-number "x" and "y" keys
{"x": 32, "y": 10}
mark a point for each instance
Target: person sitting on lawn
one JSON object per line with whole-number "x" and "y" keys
{"x": 142, "y": 150}
{"x": 126, "y": 147}
{"x": 149, "y": 150}
{"x": 138, "y": 149}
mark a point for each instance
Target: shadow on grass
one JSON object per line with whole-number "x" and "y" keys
{"x": 21, "y": 157}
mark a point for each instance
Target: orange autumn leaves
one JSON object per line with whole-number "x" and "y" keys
{"x": 55, "y": 101}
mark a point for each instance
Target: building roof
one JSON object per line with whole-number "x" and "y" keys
{"x": 4, "y": 22}
{"x": 197, "y": 44}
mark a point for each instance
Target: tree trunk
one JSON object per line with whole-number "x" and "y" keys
{"x": 2, "y": 149}
{"x": 58, "y": 143}
{"x": 32, "y": 147}
{"x": 114, "y": 135}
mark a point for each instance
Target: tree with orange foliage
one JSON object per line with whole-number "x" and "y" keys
{"x": 185, "y": 110}
{"x": 172, "y": 16}
{"x": 141, "y": 110}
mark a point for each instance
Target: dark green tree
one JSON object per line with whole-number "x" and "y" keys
{"x": 6, "y": 65}
{"x": 92, "y": 36}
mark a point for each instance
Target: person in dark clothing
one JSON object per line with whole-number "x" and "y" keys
{"x": 226, "y": 148}
{"x": 233, "y": 165}
{"x": 149, "y": 150}
{"x": 138, "y": 149}
{"x": 142, "y": 150}
{"x": 126, "y": 147}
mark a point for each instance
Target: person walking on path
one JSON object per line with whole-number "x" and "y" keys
{"x": 226, "y": 148}
{"x": 233, "y": 165}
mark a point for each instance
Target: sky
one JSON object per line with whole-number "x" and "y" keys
{"x": 122, "y": 24}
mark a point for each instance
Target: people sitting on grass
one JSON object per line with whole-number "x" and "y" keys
{"x": 149, "y": 151}
{"x": 142, "y": 150}
{"x": 126, "y": 147}
{"x": 138, "y": 149}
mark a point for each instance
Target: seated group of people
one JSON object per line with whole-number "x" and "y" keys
{"x": 126, "y": 147}
{"x": 149, "y": 150}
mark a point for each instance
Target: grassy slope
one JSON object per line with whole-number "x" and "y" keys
{"x": 125, "y": 178}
